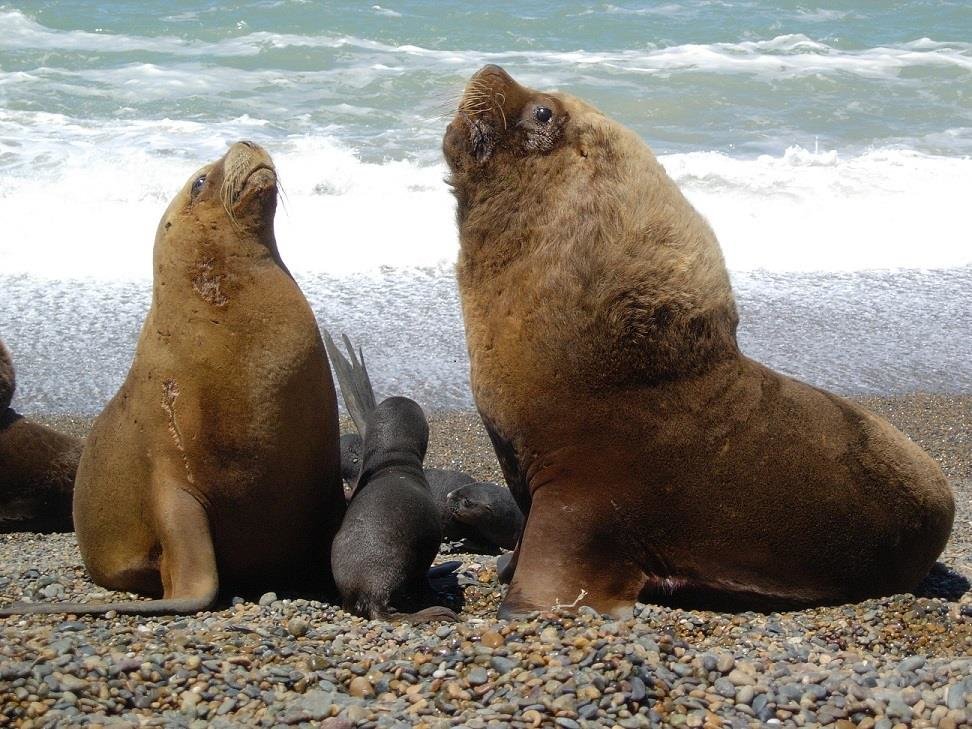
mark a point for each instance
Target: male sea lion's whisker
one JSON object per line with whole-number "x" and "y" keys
{"x": 499, "y": 108}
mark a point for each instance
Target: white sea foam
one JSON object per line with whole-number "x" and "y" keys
{"x": 821, "y": 211}
{"x": 784, "y": 55}
{"x": 84, "y": 201}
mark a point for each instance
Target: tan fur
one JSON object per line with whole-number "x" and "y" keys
{"x": 216, "y": 464}
{"x": 650, "y": 452}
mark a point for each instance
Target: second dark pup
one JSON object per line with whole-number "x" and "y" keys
{"x": 391, "y": 532}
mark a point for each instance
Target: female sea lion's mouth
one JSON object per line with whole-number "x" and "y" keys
{"x": 262, "y": 175}
{"x": 248, "y": 172}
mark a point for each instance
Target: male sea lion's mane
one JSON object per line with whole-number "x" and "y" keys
{"x": 661, "y": 298}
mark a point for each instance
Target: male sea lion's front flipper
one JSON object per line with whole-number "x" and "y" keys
{"x": 506, "y": 565}
{"x": 187, "y": 564}
{"x": 565, "y": 560}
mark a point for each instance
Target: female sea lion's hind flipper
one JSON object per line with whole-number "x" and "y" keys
{"x": 171, "y": 606}
{"x": 188, "y": 565}
{"x": 352, "y": 377}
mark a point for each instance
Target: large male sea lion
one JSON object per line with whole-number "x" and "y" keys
{"x": 391, "y": 532}
{"x": 650, "y": 454}
{"x": 216, "y": 464}
{"x": 37, "y": 466}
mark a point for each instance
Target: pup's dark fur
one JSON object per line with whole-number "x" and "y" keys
{"x": 391, "y": 532}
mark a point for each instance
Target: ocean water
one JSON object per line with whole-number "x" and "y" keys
{"x": 828, "y": 143}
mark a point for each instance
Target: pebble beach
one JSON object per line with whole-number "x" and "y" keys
{"x": 898, "y": 661}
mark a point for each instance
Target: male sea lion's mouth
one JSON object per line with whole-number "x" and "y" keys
{"x": 485, "y": 112}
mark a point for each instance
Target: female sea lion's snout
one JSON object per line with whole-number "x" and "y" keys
{"x": 248, "y": 173}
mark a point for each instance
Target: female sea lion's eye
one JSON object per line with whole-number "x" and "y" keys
{"x": 542, "y": 114}
{"x": 198, "y": 185}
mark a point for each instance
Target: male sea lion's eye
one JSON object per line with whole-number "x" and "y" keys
{"x": 198, "y": 185}
{"x": 542, "y": 114}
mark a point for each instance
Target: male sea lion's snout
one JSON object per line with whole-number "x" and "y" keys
{"x": 490, "y": 105}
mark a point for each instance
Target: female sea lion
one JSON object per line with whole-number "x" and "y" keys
{"x": 650, "y": 454}
{"x": 37, "y": 466}
{"x": 216, "y": 464}
{"x": 391, "y": 533}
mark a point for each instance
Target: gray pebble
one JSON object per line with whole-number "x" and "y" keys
{"x": 911, "y": 664}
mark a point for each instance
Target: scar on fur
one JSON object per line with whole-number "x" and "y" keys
{"x": 170, "y": 391}
{"x": 206, "y": 283}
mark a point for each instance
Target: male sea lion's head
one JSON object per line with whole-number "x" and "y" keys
{"x": 591, "y": 235}
{"x": 542, "y": 144}
{"x": 232, "y": 199}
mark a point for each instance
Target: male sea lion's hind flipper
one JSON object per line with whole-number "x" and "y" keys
{"x": 352, "y": 377}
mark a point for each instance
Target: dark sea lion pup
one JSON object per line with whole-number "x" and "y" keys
{"x": 391, "y": 533}
{"x": 475, "y": 511}
{"x": 652, "y": 457}
{"x": 37, "y": 467}
{"x": 216, "y": 464}
{"x": 488, "y": 513}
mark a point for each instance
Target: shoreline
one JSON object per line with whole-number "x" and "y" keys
{"x": 896, "y": 661}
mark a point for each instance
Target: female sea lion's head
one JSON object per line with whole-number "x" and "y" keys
{"x": 235, "y": 195}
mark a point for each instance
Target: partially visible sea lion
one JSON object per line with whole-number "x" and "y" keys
{"x": 8, "y": 378}
{"x": 350, "y": 458}
{"x": 652, "y": 456}
{"x": 216, "y": 464}
{"x": 391, "y": 533}
{"x": 37, "y": 466}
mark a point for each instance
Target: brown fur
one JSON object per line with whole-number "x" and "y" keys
{"x": 8, "y": 381}
{"x": 216, "y": 464}
{"x": 37, "y": 467}
{"x": 653, "y": 457}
